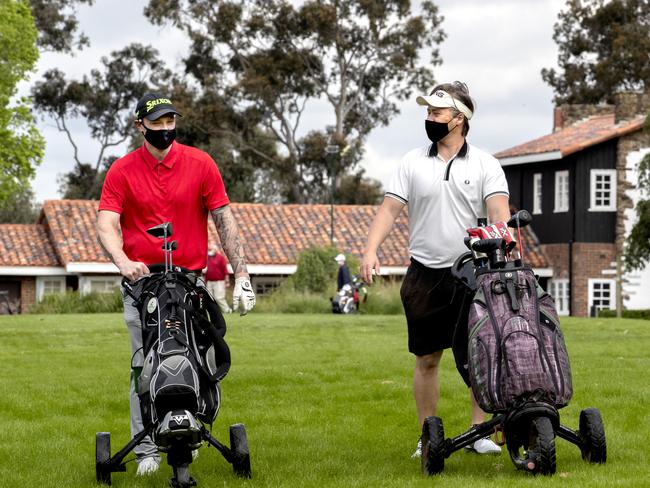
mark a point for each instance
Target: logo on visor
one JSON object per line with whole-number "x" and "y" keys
{"x": 440, "y": 94}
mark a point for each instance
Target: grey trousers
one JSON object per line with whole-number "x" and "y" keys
{"x": 146, "y": 448}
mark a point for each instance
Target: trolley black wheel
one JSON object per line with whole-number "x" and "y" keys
{"x": 182, "y": 478}
{"x": 102, "y": 457}
{"x": 241, "y": 463}
{"x": 541, "y": 445}
{"x": 433, "y": 446}
{"x": 592, "y": 436}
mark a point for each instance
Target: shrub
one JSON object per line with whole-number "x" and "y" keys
{"x": 383, "y": 299}
{"x": 74, "y": 302}
{"x": 316, "y": 270}
{"x": 627, "y": 314}
{"x": 284, "y": 300}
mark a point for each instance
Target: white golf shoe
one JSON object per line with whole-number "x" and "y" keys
{"x": 147, "y": 466}
{"x": 484, "y": 446}
{"x": 418, "y": 451}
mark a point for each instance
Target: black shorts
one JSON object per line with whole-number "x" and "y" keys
{"x": 434, "y": 304}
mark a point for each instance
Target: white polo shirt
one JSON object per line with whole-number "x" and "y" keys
{"x": 444, "y": 199}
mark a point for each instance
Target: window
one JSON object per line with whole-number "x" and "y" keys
{"x": 49, "y": 285}
{"x": 103, "y": 285}
{"x": 603, "y": 190}
{"x": 559, "y": 290}
{"x": 98, "y": 284}
{"x": 602, "y": 295}
{"x": 266, "y": 284}
{"x": 561, "y": 191}
{"x": 537, "y": 193}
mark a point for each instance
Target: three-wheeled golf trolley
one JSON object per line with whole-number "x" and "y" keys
{"x": 517, "y": 362}
{"x": 185, "y": 358}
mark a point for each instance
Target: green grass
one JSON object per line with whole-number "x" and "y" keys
{"x": 326, "y": 401}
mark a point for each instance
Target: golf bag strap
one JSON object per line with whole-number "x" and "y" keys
{"x": 221, "y": 349}
{"x": 507, "y": 278}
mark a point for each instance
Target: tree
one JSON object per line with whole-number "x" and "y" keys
{"x": 272, "y": 60}
{"x": 20, "y": 208}
{"x": 22, "y": 146}
{"x": 603, "y": 48}
{"x": 57, "y": 25}
{"x": 105, "y": 100}
{"x": 637, "y": 245}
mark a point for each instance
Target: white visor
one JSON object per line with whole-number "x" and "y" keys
{"x": 442, "y": 99}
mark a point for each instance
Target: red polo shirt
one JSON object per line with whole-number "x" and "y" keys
{"x": 181, "y": 189}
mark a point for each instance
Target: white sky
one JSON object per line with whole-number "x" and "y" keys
{"x": 497, "y": 47}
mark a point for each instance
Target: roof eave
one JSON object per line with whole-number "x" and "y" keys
{"x": 531, "y": 158}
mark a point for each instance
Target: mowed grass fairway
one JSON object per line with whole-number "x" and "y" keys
{"x": 326, "y": 401}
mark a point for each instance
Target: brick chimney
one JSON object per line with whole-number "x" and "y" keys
{"x": 631, "y": 104}
{"x": 568, "y": 114}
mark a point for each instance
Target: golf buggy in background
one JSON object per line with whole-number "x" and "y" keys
{"x": 348, "y": 298}
{"x": 517, "y": 362}
{"x": 185, "y": 358}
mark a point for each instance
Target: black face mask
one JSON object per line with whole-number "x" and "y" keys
{"x": 160, "y": 139}
{"x": 436, "y": 131}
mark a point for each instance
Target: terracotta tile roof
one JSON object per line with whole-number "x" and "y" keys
{"x": 272, "y": 234}
{"x": 276, "y": 234}
{"x": 26, "y": 245}
{"x": 534, "y": 256}
{"x": 576, "y": 137}
{"x": 71, "y": 224}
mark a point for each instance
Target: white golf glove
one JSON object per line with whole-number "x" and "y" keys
{"x": 243, "y": 298}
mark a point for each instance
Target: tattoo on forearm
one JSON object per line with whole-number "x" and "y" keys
{"x": 229, "y": 236}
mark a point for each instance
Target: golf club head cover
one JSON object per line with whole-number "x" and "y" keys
{"x": 494, "y": 231}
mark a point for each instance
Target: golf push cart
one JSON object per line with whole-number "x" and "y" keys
{"x": 516, "y": 360}
{"x": 185, "y": 358}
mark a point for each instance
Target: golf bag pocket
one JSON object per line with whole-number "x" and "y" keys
{"x": 556, "y": 350}
{"x": 524, "y": 370}
{"x": 175, "y": 385}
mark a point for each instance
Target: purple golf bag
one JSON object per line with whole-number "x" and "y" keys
{"x": 516, "y": 349}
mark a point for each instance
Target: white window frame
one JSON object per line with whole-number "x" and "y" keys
{"x": 537, "y": 193}
{"x": 40, "y": 285}
{"x": 85, "y": 282}
{"x": 561, "y": 191}
{"x": 592, "y": 283}
{"x": 559, "y": 290}
{"x": 594, "y": 174}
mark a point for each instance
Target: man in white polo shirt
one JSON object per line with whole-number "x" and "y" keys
{"x": 447, "y": 185}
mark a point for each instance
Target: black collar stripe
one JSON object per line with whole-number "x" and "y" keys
{"x": 433, "y": 150}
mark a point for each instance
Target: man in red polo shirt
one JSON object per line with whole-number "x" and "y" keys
{"x": 216, "y": 278}
{"x": 164, "y": 181}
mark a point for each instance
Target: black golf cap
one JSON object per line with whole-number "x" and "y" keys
{"x": 152, "y": 106}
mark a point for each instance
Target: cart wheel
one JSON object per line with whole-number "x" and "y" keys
{"x": 433, "y": 446}
{"x": 541, "y": 445}
{"x": 102, "y": 457}
{"x": 182, "y": 478}
{"x": 592, "y": 436}
{"x": 241, "y": 462}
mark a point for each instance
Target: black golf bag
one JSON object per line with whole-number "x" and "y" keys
{"x": 185, "y": 354}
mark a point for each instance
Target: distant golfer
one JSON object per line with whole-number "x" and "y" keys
{"x": 164, "y": 181}
{"x": 447, "y": 185}
{"x": 216, "y": 278}
{"x": 343, "y": 278}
